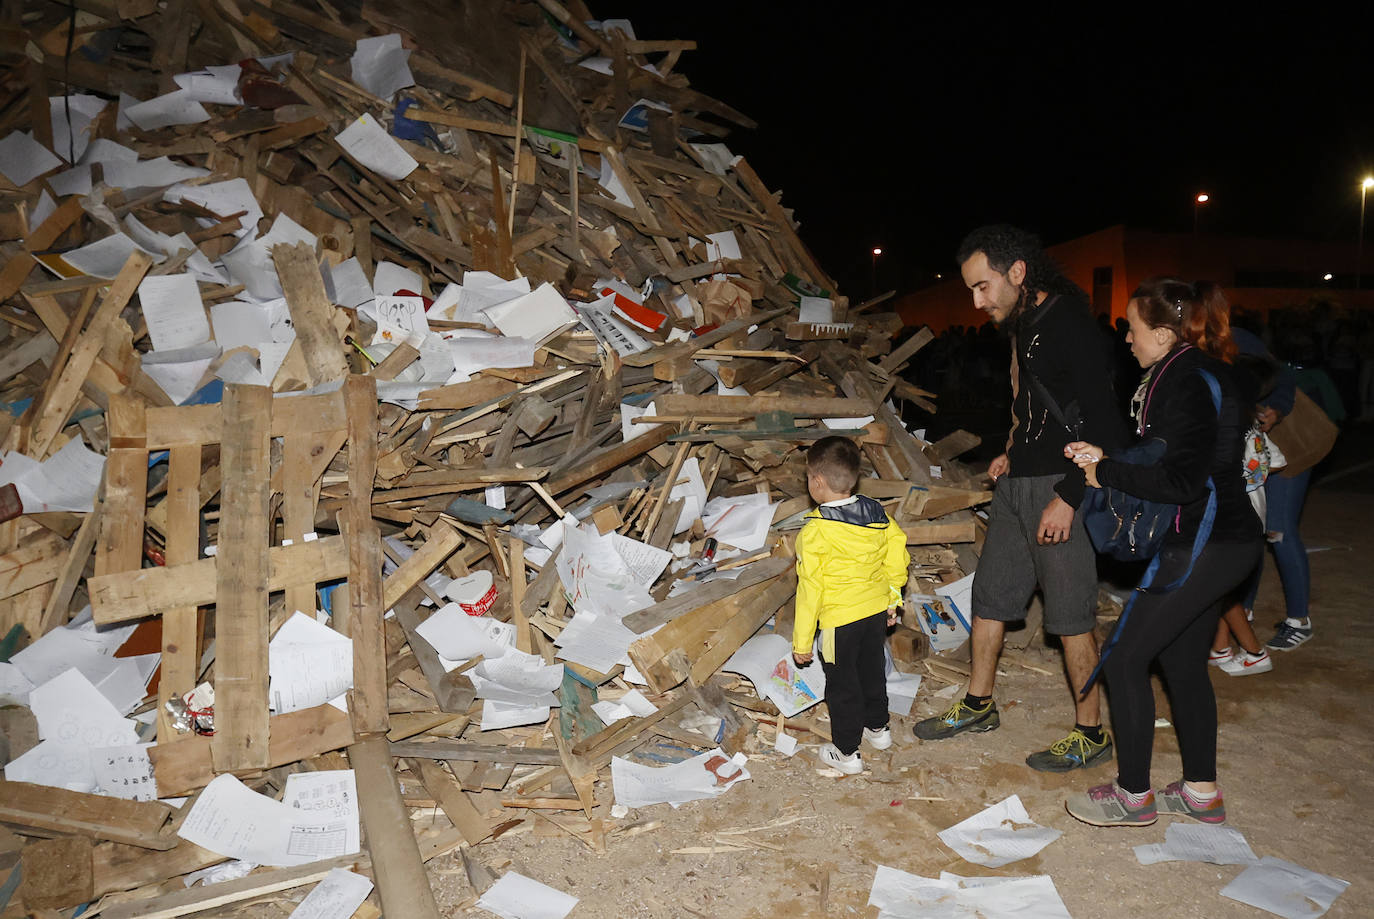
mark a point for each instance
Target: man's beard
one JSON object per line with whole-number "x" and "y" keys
{"x": 1012, "y": 321}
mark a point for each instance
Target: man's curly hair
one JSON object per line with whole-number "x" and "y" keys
{"x": 1005, "y": 245}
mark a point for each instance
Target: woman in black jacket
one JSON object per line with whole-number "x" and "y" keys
{"x": 1174, "y": 335}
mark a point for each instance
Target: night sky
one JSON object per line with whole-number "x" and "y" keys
{"x": 905, "y": 125}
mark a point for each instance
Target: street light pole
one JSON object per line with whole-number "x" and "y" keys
{"x": 1365, "y": 186}
{"x": 873, "y": 272}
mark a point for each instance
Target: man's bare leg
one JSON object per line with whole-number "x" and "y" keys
{"x": 1080, "y": 657}
{"x": 986, "y": 648}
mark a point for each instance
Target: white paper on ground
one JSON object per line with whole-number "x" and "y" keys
{"x": 58, "y": 765}
{"x": 105, "y": 257}
{"x": 472, "y": 353}
{"x": 643, "y": 561}
{"x": 331, "y": 793}
{"x": 785, "y": 744}
{"x": 381, "y": 66}
{"x": 999, "y": 835}
{"x": 42, "y": 210}
{"x": 81, "y": 109}
{"x": 599, "y": 641}
{"x": 78, "y": 646}
{"x": 515, "y": 896}
{"x": 1285, "y": 889}
{"x": 595, "y": 576}
{"x": 368, "y": 143}
{"x": 124, "y": 772}
{"x": 722, "y": 245}
{"x": 901, "y": 691}
{"x": 104, "y": 150}
{"x": 536, "y": 315}
{"x": 631, "y": 705}
{"x": 221, "y": 199}
{"x": 610, "y": 330}
{"x": 308, "y": 664}
{"x": 517, "y": 678}
{"x": 388, "y": 278}
{"x": 460, "y": 637}
{"x": 65, "y": 481}
{"x": 74, "y": 181}
{"x": 399, "y": 318}
{"x": 14, "y": 686}
{"x": 704, "y": 776}
{"x": 242, "y": 367}
{"x": 497, "y": 715}
{"x": 628, "y": 413}
{"x": 237, "y": 324}
{"x": 693, "y": 493}
{"x": 250, "y": 262}
{"x": 1189, "y": 842}
{"x": 745, "y": 527}
{"x": 177, "y": 107}
{"x": 216, "y": 85}
{"x": 23, "y": 159}
{"x": 899, "y": 895}
{"x": 816, "y": 309}
{"x": 218, "y": 874}
{"x": 348, "y": 285}
{"x": 71, "y": 710}
{"x": 173, "y": 311}
{"x": 230, "y": 819}
{"x": 338, "y": 896}
{"x": 154, "y": 173}
{"x": 766, "y": 660}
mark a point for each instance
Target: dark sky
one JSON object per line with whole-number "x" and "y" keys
{"x": 906, "y": 124}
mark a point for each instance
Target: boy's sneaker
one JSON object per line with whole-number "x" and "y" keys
{"x": 1219, "y": 658}
{"x": 1246, "y": 664}
{"x": 960, "y": 718}
{"x": 1175, "y": 799}
{"x": 831, "y": 756}
{"x": 880, "y": 739}
{"x": 1109, "y": 805}
{"x": 1077, "y": 751}
{"x": 1288, "y": 637}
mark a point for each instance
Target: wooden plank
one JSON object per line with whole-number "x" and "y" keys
{"x": 73, "y": 567}
{"x": 204, "y": 424}
{"x": 119, "y": 867}
{"x": 660, "y": 613}
{"x": 952, "y": 528}
{"x": 906, "y": 349}
{"x": 58, "y": 407}
{"x": 457, "y": 806}
{"x": 128, "y": 595}
{"x": 38, "y": 561}
{"x": 180, "y": 625}
{"x": 442, "y": 542}
{"x": 311, "y": 312}
{"x": 35, "y": 348}
{"x": 184, "y": 767}
{"x": 453, "y": 691}
{"x": 464, "y": 751}
{"x": 397, "y": 868}
{"x": 241, "y": 583}
{"x": 227, "y": 893}
{"x": 611, "y": 458}
{"x": 126, "y": 488}
{"x": 42, "y": 807}
{"x": 744, "y": 406}
{"x": 775, "y": 213}
{"x": 368, "y": 700}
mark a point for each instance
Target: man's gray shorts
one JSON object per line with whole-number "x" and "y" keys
{"x": 1012, "y": 562}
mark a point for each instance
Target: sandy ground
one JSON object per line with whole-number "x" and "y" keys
{"x": 1295, "y": 756}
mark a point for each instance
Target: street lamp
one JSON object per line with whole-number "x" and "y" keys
{"x": 873, "y": 272}
{"x": 1200, "y": 199}
{"x": 1365, "y": 186}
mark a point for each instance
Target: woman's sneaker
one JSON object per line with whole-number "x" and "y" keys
{"x": 1111, "y": 805}
{"x": 1289, "y": 636}
{"x": 1176, "y": 800}
{"x": 1247, "y": 664}
{"x": 831, "y": 756}
{"x": 1219, "y": 658}
{"x": 880, "y": 739}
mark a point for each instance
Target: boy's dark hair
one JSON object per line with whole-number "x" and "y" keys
{"x": 835, "y": 459}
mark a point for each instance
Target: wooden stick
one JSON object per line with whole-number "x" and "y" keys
{"x": 519, "y": 132}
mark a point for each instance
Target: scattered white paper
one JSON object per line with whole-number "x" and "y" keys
{"x": 368, "y": 143}
{"x": 692, "y": 492}
{"x": 23, "y": 159}
{"x": 237, "y": 324}
{"x": 1285, "y": 889}
{"x": 704, "y": 776}
{"x": 124, "y": 772}
{"x": 173, "y": 310}
{"x": 631, "y": 705}
{"x": 1001, "y": 834}
{"x": 338, "y": 896}
{"x": 460, "y": 637}
{"x": 499, "y": 715}
{"x": 331, "y": 793}
{"x": 628, "y": 413}
{"x": 816, "y": 309}
{"x": 217, "y": 85}
{"x": 785, "y": 744}
{"x": 766, "y": 660}
{"x": 70, "y": 710}
{"x": 389, "y": 279}
{"x": 221, "y": 199}
{"x": 76, "y": 645}
{"x": 741, "y": 522}
{"x": 536, "y": 315}
{"x": 154, "y": 173}
{"x": 347, "y": 284}
{"x": 381, "y": 66}
{"x": 74, "y": 181}
{"x": 472, "y": 353}
{"x": 899, "y": 895}
{"x": 515, "y": 896}
{"x": 105, "y": 257}
{"x": 308, "y": 664}
{"x": 399, "y": 319}
{"x": 901, "y": 691}
{"x": 65, "y": 481}
{"x": 1190, "y": 842}
{"x": 177, "y": 107}
{"x": 234, "y": 821}
{"x": 250, "y": 262}
{"x": 59, "y": 765}
{"x": 14, "y": 686}
{"x": 80, "y": 109}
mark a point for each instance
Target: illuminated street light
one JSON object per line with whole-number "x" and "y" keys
{"x": 1327, "y": 276}
{"x": 1365, "y": 186}
{"x": 1200, "y": 199}
{"x": 873, "y": 272}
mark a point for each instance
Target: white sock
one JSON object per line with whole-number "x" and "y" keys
{"x": 1256, "y": 655}
{"x": 1303, "y": 623}
{"x": 1132, "y": 797}
{"x": 1201, "y": 797}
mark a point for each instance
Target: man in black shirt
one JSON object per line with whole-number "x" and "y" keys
{"x": 1061, "y": 377}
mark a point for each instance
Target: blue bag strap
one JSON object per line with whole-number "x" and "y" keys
{"x": 1204, "y": 533}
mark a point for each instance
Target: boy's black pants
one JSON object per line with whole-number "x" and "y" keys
{"x": 855, "y": 682}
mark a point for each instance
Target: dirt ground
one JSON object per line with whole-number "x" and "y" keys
{"x": 1295, "y": 757}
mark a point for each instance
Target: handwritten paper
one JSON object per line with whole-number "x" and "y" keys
{"x": 173, "y": 310}
{"x": 368, "y": 143}
{"x": 124, "y": 772}
{"x": 65, "y": 481}
{"x": 515, "y": 896}
{"x": 705, "y": 776}
{"x": 338, "y": 896}
{"x": 234, "y": 821}
{"x": 399, "y": 319}
{"x": 998, "y": 835}
{"x": 23, "y": 159}
{"x": 308, "y": 664}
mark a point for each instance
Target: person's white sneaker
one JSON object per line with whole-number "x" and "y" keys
{"x": 880, "y": 739}
{"x": 1219, "y": 658}
{"x": 1245, "y": 664}
{"x": 831, "y": 756}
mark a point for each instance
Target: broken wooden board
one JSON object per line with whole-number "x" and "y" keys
{"x": 57, "y": 810}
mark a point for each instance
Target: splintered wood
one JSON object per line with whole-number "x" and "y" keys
{"x": 305, "y": 345}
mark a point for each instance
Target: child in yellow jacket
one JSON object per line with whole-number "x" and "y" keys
{"x": 851, "y": 568}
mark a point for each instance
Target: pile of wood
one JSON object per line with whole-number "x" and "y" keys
{"x": 219, "y": 518}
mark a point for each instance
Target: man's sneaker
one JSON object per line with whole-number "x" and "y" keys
{"x": 961, "y": 717}
{"x": 1175, "y": 799}
{"x": 880, "y": 739}
{"x": 1288, "y": 637}
{"x": 1109, "y": 805}
{"x": 1076, "y": 751}
{"x": 1246, "y": 664}
{"x": 1219, "y": 658}
{"x": 831, "y": 756}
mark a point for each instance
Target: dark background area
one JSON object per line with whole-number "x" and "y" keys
{"x": 905, "y": 125}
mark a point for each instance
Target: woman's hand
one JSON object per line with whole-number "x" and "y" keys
{"x": 1267, "y": 417}
{"x": 1086, "y": 457}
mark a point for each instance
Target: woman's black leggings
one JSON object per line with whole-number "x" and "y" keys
{"x": 1177, "y": 629}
